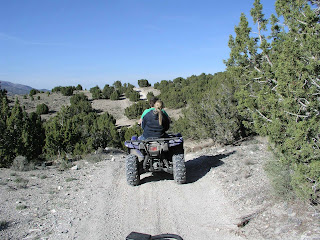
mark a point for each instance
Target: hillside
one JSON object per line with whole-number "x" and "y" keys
{"x": 16, "y": 89}
{"x": 116, "y": 108}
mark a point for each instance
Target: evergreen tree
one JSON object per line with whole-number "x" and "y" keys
{"x": 22, "y": 134}
{"x": 278, "y": 83}
{"x": 107, "y": 91}
{"x": 79, "y": 87}
{"x": 67, "y": 91}
{"x": 33, "y": 136}
{"x": 42, "y": 109}
{"x": 80, "y": 104}
{"x": 117, "y": 85}
{"x": 115, "y": 95}
{"x": 96, "y": 92}
{"x": 135, "y": 110}
{"x": 143, "y": 83}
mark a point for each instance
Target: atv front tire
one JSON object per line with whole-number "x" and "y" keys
{"x": 132, "y": 170}
{"x": 179, "y": 169}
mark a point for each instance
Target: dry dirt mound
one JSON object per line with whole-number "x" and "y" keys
{"x": 227, "y": 196}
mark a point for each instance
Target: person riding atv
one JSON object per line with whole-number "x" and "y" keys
{"x": 155, "y": 150}
{"x": 155, "y": 123}
{"x": 152, "y": 101}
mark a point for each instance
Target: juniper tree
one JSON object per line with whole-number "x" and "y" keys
{"x": 96, "y": 92}
{"x": 278, "y": 79}
{"x": 107, "y": 91}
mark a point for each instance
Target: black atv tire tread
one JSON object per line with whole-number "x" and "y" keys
{"x": 132, "y": 170}
{"x": 179, "y": 168}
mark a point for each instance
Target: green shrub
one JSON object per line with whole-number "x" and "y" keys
{"x": 136, "y": 110}
{"x": 306, "y": 180}
{"x": 280, "y": 175}
{"x": 42, "y": 109}
{"x": 33, "y": 92}
{"x": 143, "y": 83}
{"x": 21, "y": 133}
{"x": 115, "y": 95}
{"x": 134, "y": 96}
{"x": 150, "y": 95}
{"x": 64, "y": 164}
{"x": 107, "y": 91}
{"x": 56, "y": 89}
{"x": 80, "y": 104}
{"x": 78, "y": 87}
{"x": 21, "y": 182}
{"x": 96, "y": 92}
{"x": 21, "y": 163}
{"x": 127, "y": 133}
{"x": 77, "y": 131}
{"x": 67, "y": 91}
{"x": 117, "y": 85}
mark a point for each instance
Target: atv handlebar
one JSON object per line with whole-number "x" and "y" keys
{"x": 142, "y": 236}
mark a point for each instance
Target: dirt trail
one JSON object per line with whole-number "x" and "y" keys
{"x": 197, "y": 210}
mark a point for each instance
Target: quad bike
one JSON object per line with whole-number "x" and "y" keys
{"x": 142, "y": 236}
{"x": 155, "y": 155}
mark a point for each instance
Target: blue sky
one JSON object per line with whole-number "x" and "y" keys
{"x": 48, "y": 43}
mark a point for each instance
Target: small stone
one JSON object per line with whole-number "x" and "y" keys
{"x": 75, "y": 167}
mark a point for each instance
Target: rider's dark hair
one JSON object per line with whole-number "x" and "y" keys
{"x": 152, "y": 101}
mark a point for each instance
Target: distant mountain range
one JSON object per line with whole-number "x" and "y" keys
{"x": 17, "y": 89}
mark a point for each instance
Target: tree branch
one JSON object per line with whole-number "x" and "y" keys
{"x": 297, "y": 115}
{"x": 314, "y": 83}
{"x": 269, "y": 120}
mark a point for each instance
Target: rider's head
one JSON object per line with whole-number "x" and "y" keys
{"x": 152, "y": 101}
{"x": 158, "y": 105}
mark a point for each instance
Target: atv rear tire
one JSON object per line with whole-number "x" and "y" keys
{"x": 179, "y": 169}
{"x": 132, "y": 170}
